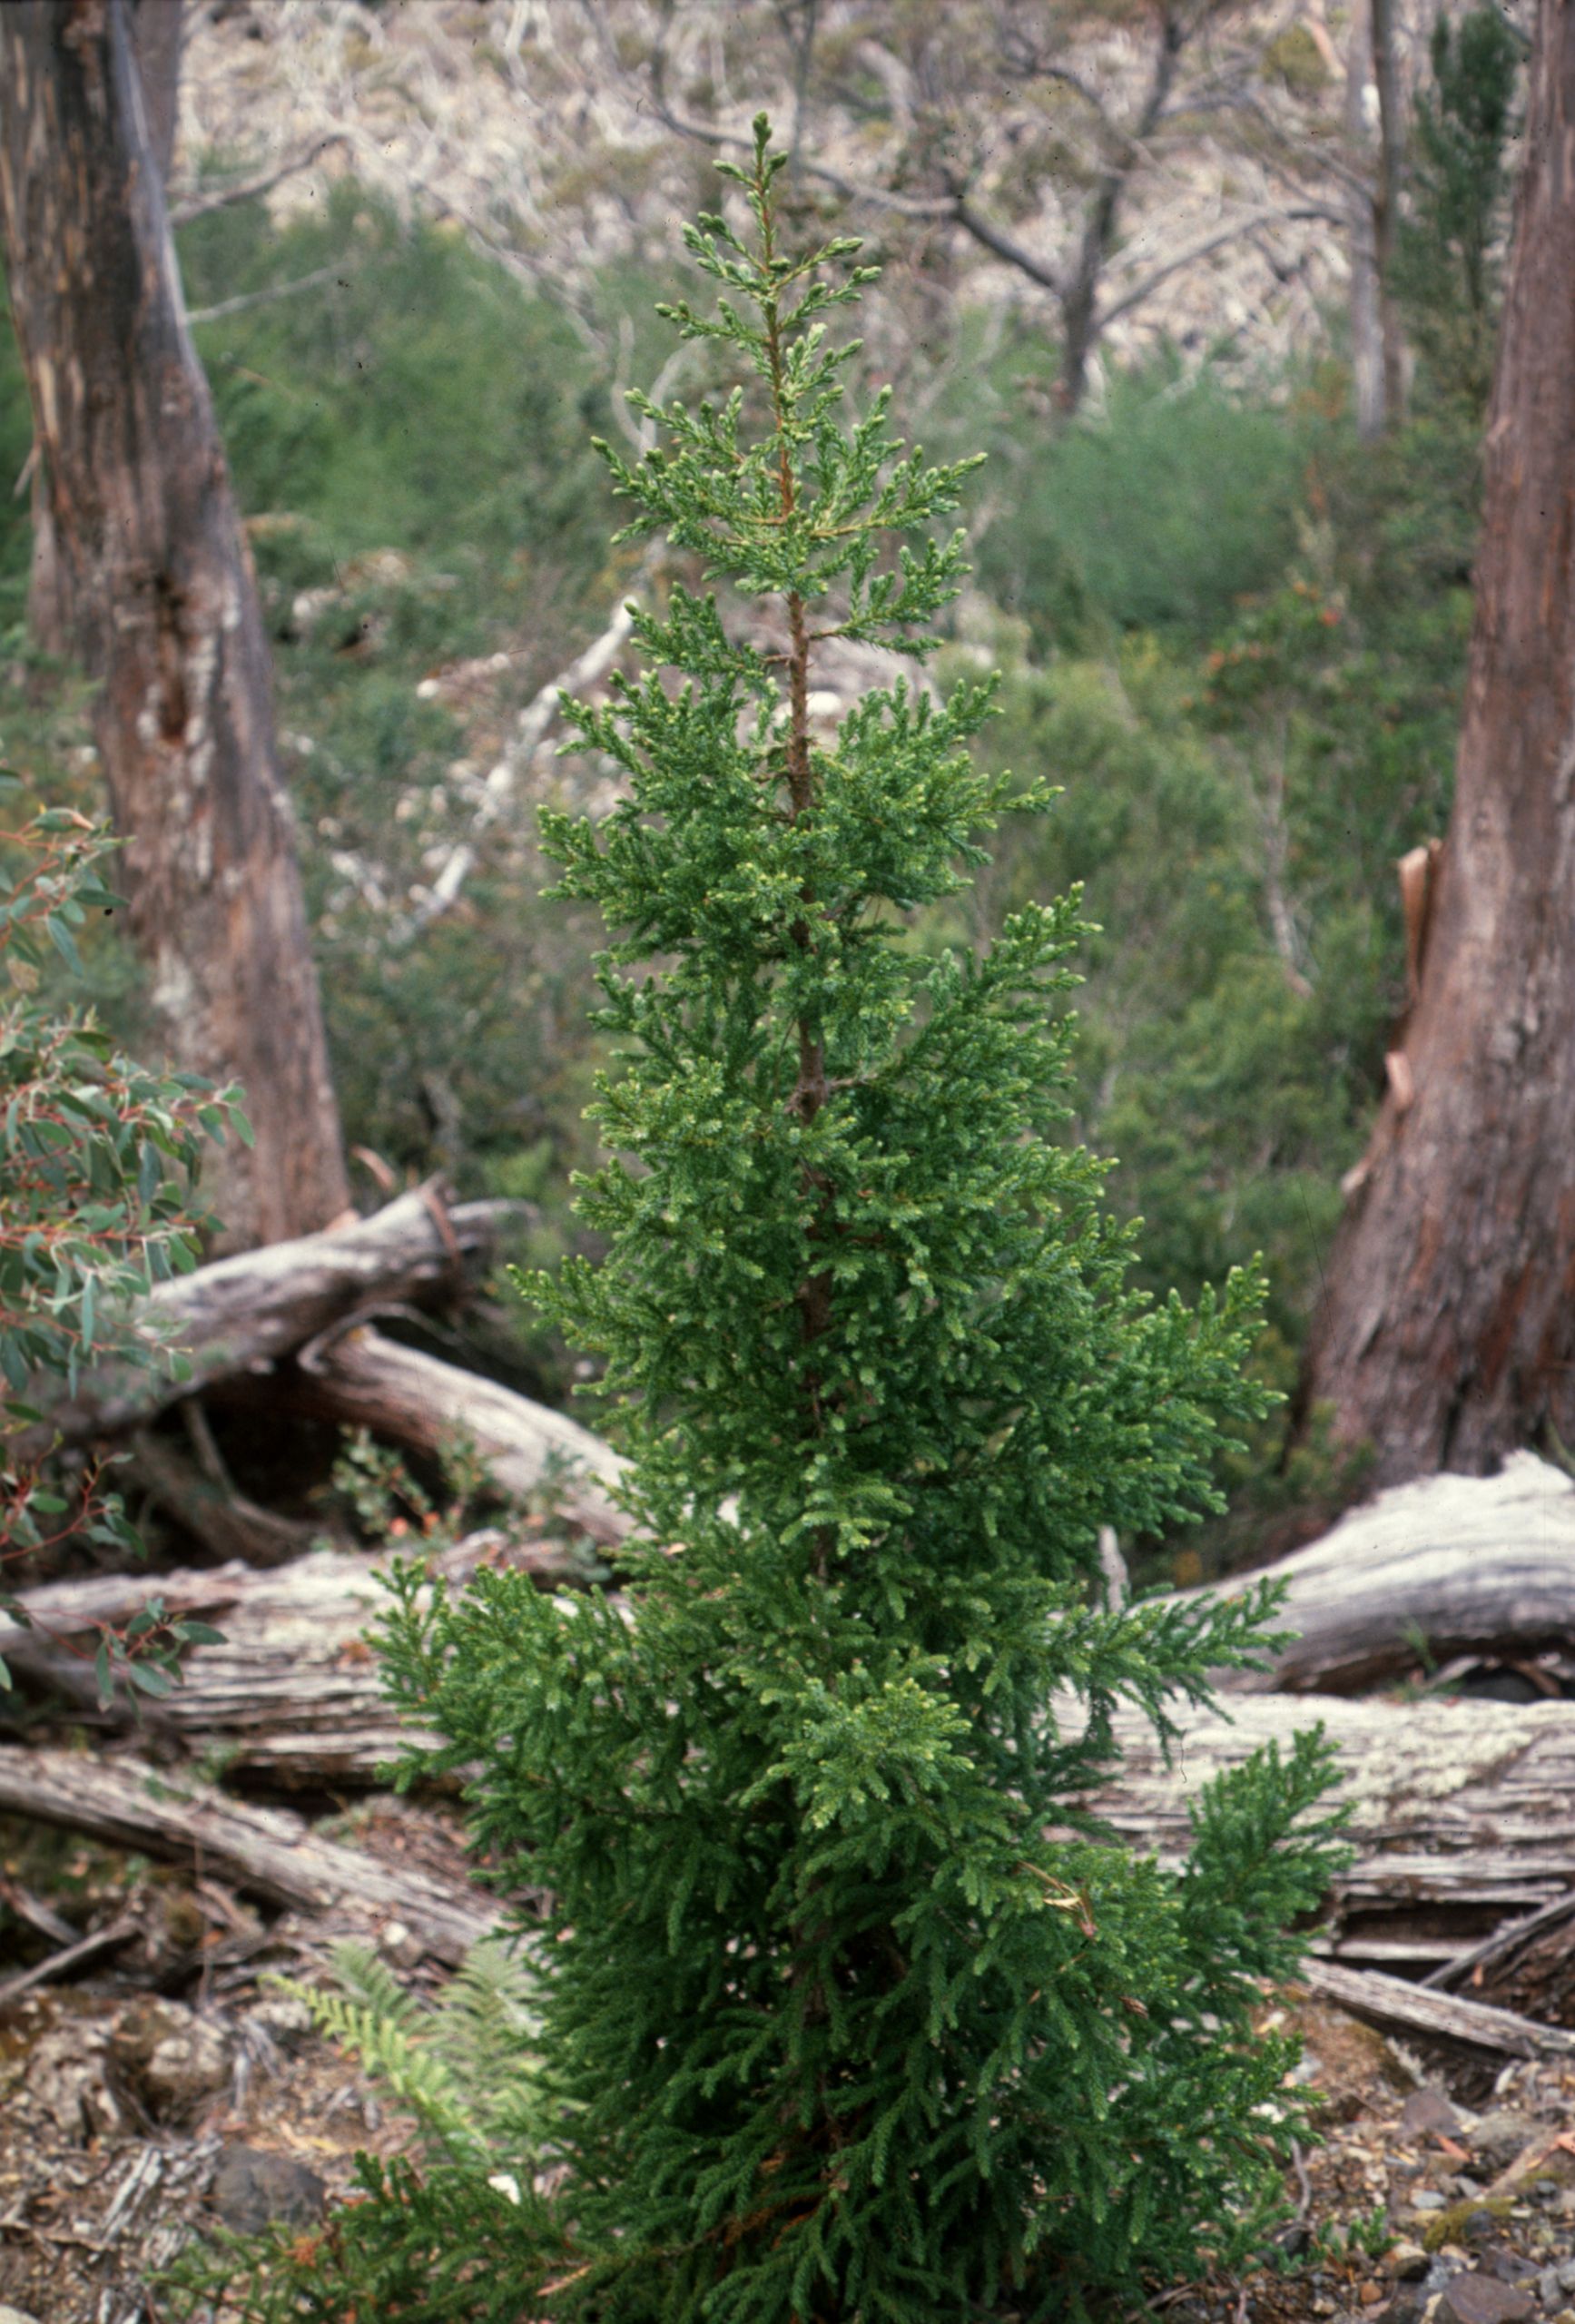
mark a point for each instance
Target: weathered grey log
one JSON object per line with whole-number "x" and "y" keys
{"x": 265, "y": 1851}
{"x": 243, "y": 1315}
{"x": 293, "y": 1695}
{"x": 1448, "y": 1565}
{"x": 1421, "y": 2010}
{"x": 1462, "y": 1814}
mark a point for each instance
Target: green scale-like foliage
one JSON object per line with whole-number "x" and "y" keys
{"x": 853, "y": 2010}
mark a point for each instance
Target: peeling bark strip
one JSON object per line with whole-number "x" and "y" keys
{"x": 1448, "y": 1335}
{"x": 164, "y": 601}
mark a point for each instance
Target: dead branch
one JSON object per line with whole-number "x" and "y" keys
{"x": 1415, "y": 2010}
{"x": 185, "y": 207}
{"x": 243, "y": 1315}
{"x": 265, "y": 1851}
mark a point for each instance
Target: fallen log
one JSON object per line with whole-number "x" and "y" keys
{"x": 363, "y": 1380}
{"x": 1462, "y": 1814}
{"x": 293, "y": 1695}
{"x": 1419, "y": 2011}
{"x": 1448, "y": 1565}
{"x": 267, "y": 1852}
{"x": 244, "y": 1314}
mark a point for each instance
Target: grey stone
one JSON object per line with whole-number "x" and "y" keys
{"x": 1406, "y": 2260}
{"x": 1428, "y": 2110}
{"x": 1428, "y": 2199}
{"x": 253, "y": 2188}
{"x": 1479, "y": 2300}
{"x": 1567, "y": 2275}
{"x": 1548, "y": 2289}
{"x": 15, "y": 2316}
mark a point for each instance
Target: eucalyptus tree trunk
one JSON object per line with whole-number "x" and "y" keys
{"x": 1448, "y": 1332}
{"x": 1386, "y": 202}
{"x": 158, "y": 30}
{"x": 162, "y": 601}
{"x": 1367, "y": 322}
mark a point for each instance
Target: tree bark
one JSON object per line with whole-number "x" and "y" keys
{"x": 1386, "y": 203}
{"x": 158, "y": 30}
{"x": 1448, "y": 1333}
{"x": 1362, "y": 240}
{"x": 165, "y": 606}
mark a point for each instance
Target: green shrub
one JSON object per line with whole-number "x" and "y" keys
{"x": 852, "y": 2009}
{"x": 99, "y": 1160}
{"x": 1158, "y": 512}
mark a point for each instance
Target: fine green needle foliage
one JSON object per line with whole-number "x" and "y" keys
{"x": 853, "y": 2008}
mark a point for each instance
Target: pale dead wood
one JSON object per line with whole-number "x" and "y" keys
{"x": 1448, "y": 1565}
{"x": 243, "y": 1315}
{"x": 1441, "y": 2017}
{"x": 363, "y": 1380}
{"x": 264, "y": 1851}
{"x": 292, "y": 1694}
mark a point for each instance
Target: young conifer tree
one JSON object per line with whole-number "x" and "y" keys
{"x": 854, "y": 2013}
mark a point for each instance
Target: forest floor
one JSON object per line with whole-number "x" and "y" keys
{"x": 170, "y": 2085}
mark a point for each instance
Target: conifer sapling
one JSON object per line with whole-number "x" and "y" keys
{"x": 853, "y": 2010}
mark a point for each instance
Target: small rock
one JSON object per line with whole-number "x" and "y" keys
{"x": 170, "y": 2059}
{"x": 1567, "y": 2275}
{"x": 1428, "y": 2199}
{"x": 1503, "y": 2135}
{"x": 15, "y": 2316}
{"x": 1370, "y": 2295}
{"x": 1407, "y": 2261}
{"x": 283, "y": 2017}
{"x": 1479, "y": 2227}
{"x": 1548, "y": 2288}
{"x": 1479, "y": 2300}
{"x": 1408, "y": 2305}
{"x": 1428, "y": 2110}
{"x": 252, "y": 2189}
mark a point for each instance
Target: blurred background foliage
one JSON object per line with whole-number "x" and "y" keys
{"x": 1233, "y": 635}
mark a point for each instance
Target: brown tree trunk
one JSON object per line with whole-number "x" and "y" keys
{"x": 1448, "y": 1333}
{"x": 158, "y": 33}
{"x": 164, "y": 602}
{"x": 159, "y": 29}
{"x": 1079, "y": 297}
